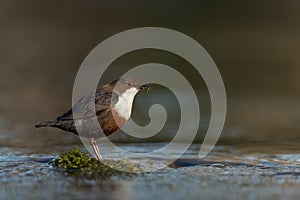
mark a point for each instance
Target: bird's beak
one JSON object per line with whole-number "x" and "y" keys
{"x": 145, "y": 87}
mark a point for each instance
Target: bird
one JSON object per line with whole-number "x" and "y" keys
{"x": 113, "y": 105}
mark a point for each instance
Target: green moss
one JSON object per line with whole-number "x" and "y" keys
{"x": 78, "y": 163}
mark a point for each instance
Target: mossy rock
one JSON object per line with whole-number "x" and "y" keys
{"x": 78, "y": 163}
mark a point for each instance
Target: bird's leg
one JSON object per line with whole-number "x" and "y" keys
{"x": 95, "y": 147}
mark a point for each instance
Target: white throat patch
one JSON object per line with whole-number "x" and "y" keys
{"x": 125, "y": 101}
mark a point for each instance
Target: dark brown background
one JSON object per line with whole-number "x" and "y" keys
{"x": 255, "y": 44}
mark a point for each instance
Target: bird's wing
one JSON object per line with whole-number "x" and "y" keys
{"x": 104, "y": 100}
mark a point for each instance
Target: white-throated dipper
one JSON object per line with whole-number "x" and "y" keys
{"x": 113, "y": 107}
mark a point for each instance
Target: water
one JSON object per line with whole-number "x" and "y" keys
{"x": 244, "y": 171}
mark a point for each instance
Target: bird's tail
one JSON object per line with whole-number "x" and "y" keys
{"x": 45, "y": 124}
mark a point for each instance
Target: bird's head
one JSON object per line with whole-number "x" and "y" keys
{"x": 122, "y": 85}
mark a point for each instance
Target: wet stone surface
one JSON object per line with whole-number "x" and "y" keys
{"x": 229, "y": 172}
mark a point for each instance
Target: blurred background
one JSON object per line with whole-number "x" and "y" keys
{"x": 255, "y": 44}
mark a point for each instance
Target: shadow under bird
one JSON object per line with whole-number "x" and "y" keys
{"x": 113, "y": 105}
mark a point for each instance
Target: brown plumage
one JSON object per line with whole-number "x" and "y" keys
{"x": 108, "y": 116}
